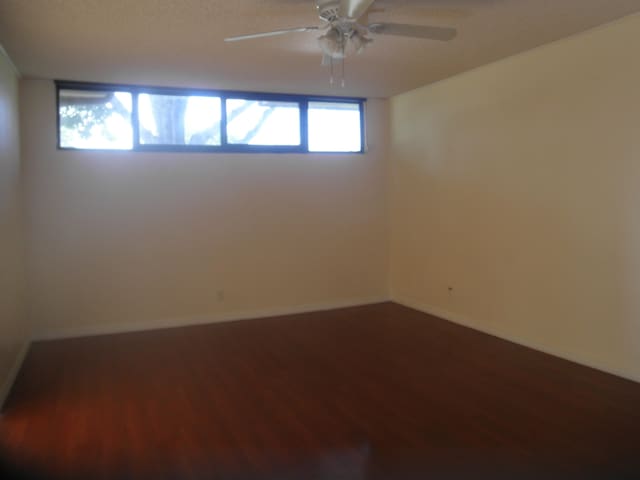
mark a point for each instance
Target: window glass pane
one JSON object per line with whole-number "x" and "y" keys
{"x": 178, "y": 119}
{"x": 263, "y": 122}
{"x": 95, "y": 119}
{"x": 334, "y": 127}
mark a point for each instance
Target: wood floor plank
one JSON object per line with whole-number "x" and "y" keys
{"x": 373, "y": 392}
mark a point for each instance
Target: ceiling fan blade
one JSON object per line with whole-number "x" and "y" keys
{"x": 271, "y": 34}
{"x": 353, "y": 9}
{"x": 417, "y": 31}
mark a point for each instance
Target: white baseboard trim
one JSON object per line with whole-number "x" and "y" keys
{"x": 93, "y": 330}
{"x": 467, "y": 322}
{"x": 13, "y": 374}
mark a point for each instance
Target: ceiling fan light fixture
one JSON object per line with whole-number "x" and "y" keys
{"x": 338, "y": 45}
{"x": 332, "y": 43}
{"x": 358, "y": 42}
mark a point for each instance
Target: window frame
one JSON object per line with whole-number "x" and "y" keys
{"x": 223, "y": 95}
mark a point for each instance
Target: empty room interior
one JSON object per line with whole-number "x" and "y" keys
{"x": 320, "y": 239}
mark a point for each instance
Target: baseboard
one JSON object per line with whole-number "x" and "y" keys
{"x": 467, "y": 322}
{"x": 5, "y": 389}
{"x": 93, "y": 330}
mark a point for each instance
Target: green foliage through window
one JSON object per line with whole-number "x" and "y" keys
{"x": 95, "y": 119}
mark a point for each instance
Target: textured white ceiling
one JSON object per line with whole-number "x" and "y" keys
{"x": 179, "y": 42}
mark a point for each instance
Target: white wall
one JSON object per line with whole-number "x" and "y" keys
{"x": 123, "y": 238}
{"x": 14, "y": 331}
{"x": 518, "y": 184}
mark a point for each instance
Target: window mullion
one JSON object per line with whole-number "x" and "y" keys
{"x": 135, "y": 127}
{"x": 223, "y": 121}
{"x": 304, "y": 125}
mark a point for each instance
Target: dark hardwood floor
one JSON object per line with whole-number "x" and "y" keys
{"x": 376, "y": 392}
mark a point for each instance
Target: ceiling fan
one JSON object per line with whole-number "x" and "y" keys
{"x": 345, "y": 35}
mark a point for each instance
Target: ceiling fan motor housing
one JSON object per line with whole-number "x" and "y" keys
{"x": 328, "y": 10}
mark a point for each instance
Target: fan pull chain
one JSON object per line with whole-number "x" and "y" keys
{"x": 331, "y": 79}
{"x": 344, "y": 44}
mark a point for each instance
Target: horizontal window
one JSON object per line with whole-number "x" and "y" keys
{"x": 99, "y": 116}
